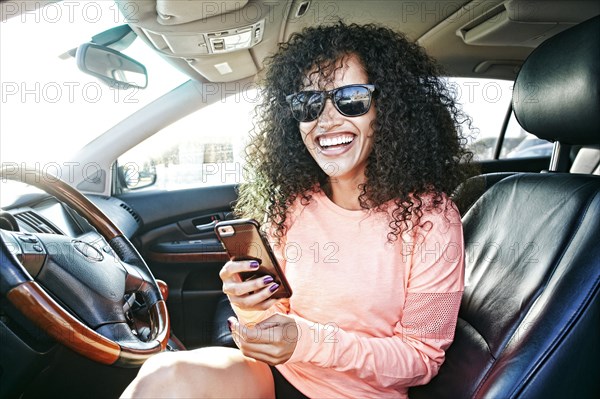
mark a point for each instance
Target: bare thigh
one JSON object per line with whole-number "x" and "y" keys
{"x": 213, "y": 372}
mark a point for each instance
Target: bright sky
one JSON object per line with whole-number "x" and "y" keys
{"x": 48, "y": 108}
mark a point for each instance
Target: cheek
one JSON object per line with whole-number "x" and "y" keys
{"x": 307, "y": 138}
{"x": 367, "y": 125}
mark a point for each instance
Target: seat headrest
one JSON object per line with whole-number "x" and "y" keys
{"x": 557, "y": 92}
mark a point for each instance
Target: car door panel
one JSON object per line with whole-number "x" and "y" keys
{"x": 159, "y": 207}
{"x": 178, "y": 242}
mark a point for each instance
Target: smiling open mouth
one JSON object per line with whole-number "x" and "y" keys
{"x": 335, "y": 142}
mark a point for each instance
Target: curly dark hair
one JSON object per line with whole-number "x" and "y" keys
{"x": 418, "y": 147}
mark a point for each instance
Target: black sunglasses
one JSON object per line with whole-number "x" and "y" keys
{"x": 351, "y": 100}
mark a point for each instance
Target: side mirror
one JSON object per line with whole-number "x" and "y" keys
{"x": 133, "y": 178}
{"x": 111, "y": 66}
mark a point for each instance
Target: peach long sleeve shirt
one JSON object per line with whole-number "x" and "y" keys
{"x": 374, "y": 317}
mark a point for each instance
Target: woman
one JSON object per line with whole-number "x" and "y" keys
{"x": 357, "y": 143}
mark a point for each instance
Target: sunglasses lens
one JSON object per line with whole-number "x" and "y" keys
{"x": 353, "y": 100}
{"x": 314, "y": 106}
{"x": 306, "y": 106}
{"x": 296, "y": 102}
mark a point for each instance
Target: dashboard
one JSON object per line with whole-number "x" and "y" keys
{"x": 41, "y": 213}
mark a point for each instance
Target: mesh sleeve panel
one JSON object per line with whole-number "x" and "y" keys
{"x": 431, "y": 315}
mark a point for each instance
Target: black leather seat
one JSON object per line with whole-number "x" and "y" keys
{"x": 529, "y": 323}
{"x": 470, "y": 190}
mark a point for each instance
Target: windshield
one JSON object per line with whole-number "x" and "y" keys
{"x": 49, "y": 108}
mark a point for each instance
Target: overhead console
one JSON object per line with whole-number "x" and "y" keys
{"x": 220, "y": 41}
{"x": 196, "y": 44}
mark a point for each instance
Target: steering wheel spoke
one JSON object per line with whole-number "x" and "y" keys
{"x": 136, "y": 344}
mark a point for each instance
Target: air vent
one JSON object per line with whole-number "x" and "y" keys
{"x": 37, "y": 223}
{"x": 131, "y": 212}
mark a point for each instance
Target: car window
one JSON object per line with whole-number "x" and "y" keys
{"x": 486, "y": 101}
{"x": 518, "y": 143}
{"x": 52, "y": 104}
{"x": 203, "y": 149}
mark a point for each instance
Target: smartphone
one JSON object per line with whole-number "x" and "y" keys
{"x": 243, "y": 240}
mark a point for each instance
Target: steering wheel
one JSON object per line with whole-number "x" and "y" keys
{"x": 81, "y": 291}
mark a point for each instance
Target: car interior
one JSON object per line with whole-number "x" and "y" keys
{"x": 97, "y": 276}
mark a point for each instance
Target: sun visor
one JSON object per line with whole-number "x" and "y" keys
{"x": 176, "y": 12}
{"x": 525, "y": 23}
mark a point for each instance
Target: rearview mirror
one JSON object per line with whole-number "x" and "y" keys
{"x": 111, "y": 66}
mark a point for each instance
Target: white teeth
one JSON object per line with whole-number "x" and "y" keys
{"x": 327, "y": 142}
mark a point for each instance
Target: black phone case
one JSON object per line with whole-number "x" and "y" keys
{"x": 246, "y": 242}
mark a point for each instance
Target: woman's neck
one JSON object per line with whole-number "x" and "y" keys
{"x": 344, "y": 193}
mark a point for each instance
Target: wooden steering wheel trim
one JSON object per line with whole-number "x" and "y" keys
{"x": 30, "y": 299}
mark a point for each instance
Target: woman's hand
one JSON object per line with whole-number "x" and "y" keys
{"x": 251, "y": 294}
{"x": 272, "y": 341}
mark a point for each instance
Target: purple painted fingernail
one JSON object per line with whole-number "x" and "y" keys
{"x": 254, "y": 264}
{"x": 274, "y": 287}
{"x": 267, "y": 280}
{"x": 230, "y": 322}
